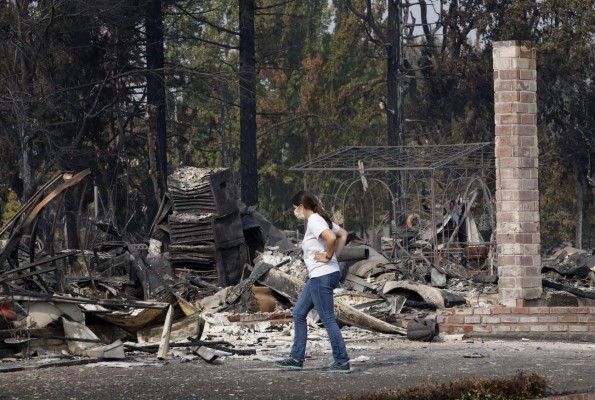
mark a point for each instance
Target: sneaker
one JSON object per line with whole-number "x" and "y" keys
{"x": 337, "y": 368}
{"x": 289, "y": 362}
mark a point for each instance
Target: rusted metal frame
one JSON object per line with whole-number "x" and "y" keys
{"x": 32, "y": 296}
{"x": 463, "y": 219}
{"x": 39, "y": 262}
{"x": 78, "y": 223}
{"x": 433, "y": 201}
{"x": 28, "y": 274}
{"x": 16, "y": 236}
{"x": 53, "y": 227}
{"x": 34, "y": 199}
{"x": 141, "y": 269}
{"x": 32, "y": 239}
{"x": 60, "y": 273}
{"x": 165, "y": 202}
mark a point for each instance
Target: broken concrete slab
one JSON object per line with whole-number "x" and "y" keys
{"x": 110, "y": 351}
{"x": 76, "y": 330}
{"x": 180, "y": 330}
{"x": 206, "y": 353}
{"x": 39, "y": 315}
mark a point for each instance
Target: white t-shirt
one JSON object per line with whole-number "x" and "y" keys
{"x": 313, "y": 243}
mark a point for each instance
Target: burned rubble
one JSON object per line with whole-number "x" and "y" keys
{"x": 214, "y": 278}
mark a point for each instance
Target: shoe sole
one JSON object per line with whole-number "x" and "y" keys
{"x": 288, "y": 367}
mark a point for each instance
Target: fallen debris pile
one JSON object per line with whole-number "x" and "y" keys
{"x": 214, "y": 279}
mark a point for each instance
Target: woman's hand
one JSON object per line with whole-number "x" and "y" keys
{"x": 321, "y": 256}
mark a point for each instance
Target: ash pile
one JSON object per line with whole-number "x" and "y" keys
{"x": 213, "y": 278}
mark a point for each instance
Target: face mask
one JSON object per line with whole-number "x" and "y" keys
{"x": 300, "y": 216}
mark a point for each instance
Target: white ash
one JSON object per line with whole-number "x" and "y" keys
{"x": 295, "y": 267}
{"x": 275, "y": 340}
{"x": 193, "y": 218}
{"x": 193, "y": 177}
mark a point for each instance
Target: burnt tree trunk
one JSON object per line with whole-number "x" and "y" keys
{"x": 156, "y": 103}
{"x": 395, "y": 100}
{"x": 21, "y": 105}
{"x": 248, "y": 154}
{"x": 580, "y": 202}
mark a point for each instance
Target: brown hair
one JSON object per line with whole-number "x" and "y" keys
{"x": 310, "y": 202}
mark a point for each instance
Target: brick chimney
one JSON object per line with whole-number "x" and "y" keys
{"x": 517, "y": 195}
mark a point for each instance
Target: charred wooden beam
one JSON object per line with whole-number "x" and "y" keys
{"x": 291, "y": 287}
{"x": 31, "y": 296}
{"x": 574, "y": 291}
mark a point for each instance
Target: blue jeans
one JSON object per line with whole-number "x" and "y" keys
{"x": 318, "y": 293}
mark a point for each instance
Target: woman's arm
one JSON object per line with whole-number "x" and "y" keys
{"x": 334, "y": 244}
{"x": 340, "y": 243}
{"x": 330, "y": 238}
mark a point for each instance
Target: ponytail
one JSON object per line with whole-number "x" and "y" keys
{"x": 310, "y": 202}
{"x": 320, "y": 211}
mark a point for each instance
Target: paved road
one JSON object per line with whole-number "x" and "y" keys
{"x": 392, "y": 364}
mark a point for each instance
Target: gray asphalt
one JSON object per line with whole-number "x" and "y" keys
{"x": 392, "y": 364}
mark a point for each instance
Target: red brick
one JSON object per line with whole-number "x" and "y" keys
{"x": 527, "y": 74}
{"x": 463, "y": 311}
{"x": 540, "y": 310}
{"x": 501, "y": 328}
{"x": 509, "y": 97}
{"x": 578, "y": 328}
{"x": 501, "y": 310}
{"x": 529, "y": 319}
{"x": 473, "y": 319}
{"x": 447, "y": 328}
{"x": 520, "y": 328}
{"x": 482, "y": 328}
{"x": 527, "y": 97}
{"x": 567, "y": 318}
{"x": 509, "y": 319}
{"x": 482, "y": 311}
{"x": 509, "y": 119}
{"x": 558, "y": 328}
{"x": 455, "y": 320}
{"x": 503, "y": 108}
{"x": 579, "y": 310}
{"x": 524, "y": 130}
{"x": 280, "y": 315}
{"x": 561, "y": 310}
{"x": 528, "y": 119}
{"x": 503, "y": 86}
{"x": 503, "y": 130}
{"x": 509, "y": 74}
{"x": 447, "y": 311}
{"x": 586, "y": 318}
{"x": 547, "y": 319}
{"x": 538, "y": 328}
{"x": 490, "y": 320}
{"x": 503, "y": 152}
{"x": 286, "y": 321}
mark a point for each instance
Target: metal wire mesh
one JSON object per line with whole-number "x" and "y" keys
{"x": 403, "y": 158}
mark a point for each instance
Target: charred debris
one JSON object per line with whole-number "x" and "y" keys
{"x": 216, "y": 278}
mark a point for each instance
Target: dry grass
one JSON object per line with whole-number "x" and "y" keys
{"x": 519, "y": 387}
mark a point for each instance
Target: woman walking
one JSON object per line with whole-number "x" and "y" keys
{"x": 323, "y": 242}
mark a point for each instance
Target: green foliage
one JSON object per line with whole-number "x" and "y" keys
{"x": 12, "y": 206}
{"x": 321, "y": 83}
{"x": 519, "y": 387}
